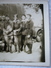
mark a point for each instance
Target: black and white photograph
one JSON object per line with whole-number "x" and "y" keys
{"x": 22, "y": 33}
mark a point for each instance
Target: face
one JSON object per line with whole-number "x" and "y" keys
{"x": 28, "y": 17}
{"x": 23, "y": 17}
{"x": 3, "y": 18}
{"x": 7, "y": 18}
{"x": 15, "y": 17}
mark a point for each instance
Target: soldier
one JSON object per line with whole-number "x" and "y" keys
{"x": 17, "y": 33}
{"x": 10, "y": 37}
{"x": 3, "y": 18}
{"x": 7, "y": 30}
{"x": 23, "y": 24}
{"x": 29, "y": 34}
{"x": 1, "y": 35}
{"x": 3, "y": 21}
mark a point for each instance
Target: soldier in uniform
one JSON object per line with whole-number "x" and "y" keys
{"x": 29, "y": 34}
{"x": 1, "y": 35}
{"x": 3, "y": 21}
{"x": 7, "y": 31}
{"x": 23, "y": 24}
{"x": 17, "y": 33}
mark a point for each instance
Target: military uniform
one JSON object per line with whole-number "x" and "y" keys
{"x": 28, "y": 35}
{"x": 28, "y": 28}
{"x": 1, "y": 35}
{"x": 7, "y": 33}
{"x": 1, "y": 40}
{"x": 1, "y": 23}
{"x": 23, "y": 27}
{"x": 17, "y": 34}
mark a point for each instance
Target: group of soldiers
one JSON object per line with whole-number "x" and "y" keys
{"x": 16, "y": 32}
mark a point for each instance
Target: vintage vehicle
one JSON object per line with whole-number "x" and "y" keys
{"x": 39, "y": 35}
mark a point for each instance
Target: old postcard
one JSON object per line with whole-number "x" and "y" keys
{"x": 24, "y": 33}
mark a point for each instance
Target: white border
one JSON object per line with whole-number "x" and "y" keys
{"x": 46, "y": 32}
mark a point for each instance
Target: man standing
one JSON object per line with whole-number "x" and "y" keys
{"x": 7, "y": 31}
{"x": 17, "y": 33}
{"x": 1, "y": 35}
{"x": 29, "y": 34}
{"x": 23, "y": 27}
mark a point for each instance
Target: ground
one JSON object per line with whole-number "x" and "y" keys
{"x": 22, "y": 56}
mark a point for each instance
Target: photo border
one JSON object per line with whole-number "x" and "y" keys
{"x": 46, "y": 32}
